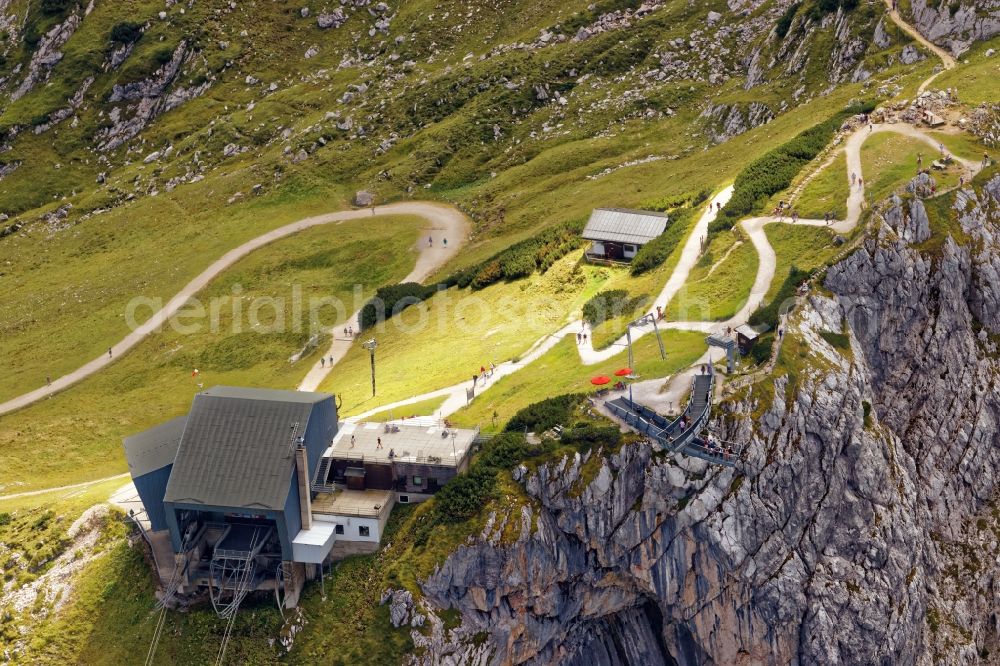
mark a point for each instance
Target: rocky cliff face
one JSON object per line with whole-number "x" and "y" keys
{"x": 956, "y": 25}
{"x": 861, "y": 527}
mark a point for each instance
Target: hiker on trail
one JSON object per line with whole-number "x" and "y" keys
{"x": 475, "y": 378}
{"x": 350, "y": 331}
{"x": 986, "y": 159}
{"x": 352, "y": 441}
{"x": 920, "y": 162}
{"x": 871, "y": 127}
{"x": 322, "y": 362}
{"x": 781, "y": 332}
{"x": 795, "y": 216}
{"x": 861, "y": 183}
{"x": 331, "y": 360}
{"x": 345, "y": 331}
{"x": 373, "y": 209}
{"x": 584, "y": 338}
{"x": 48, "y": 380}
{"x": 941, "y": 146}
{"x": 718, "y": 205}
{"x": 854, "y": 177}
{"x": 378, "y": 444}
{"x": 482, "y": 370}
{"x": 430, "y": 241}
{"x": 579, "y": 338}
{"x": 109, "y": 352}
{"x": 444, "y": 241}
{"x": 493, "y": 367}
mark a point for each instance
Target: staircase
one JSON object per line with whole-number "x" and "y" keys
{"x": 320, "y": 484}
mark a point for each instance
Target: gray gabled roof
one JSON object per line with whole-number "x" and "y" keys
{"x": 237, "y": 449}
{"x": 155, "y": 448}
{"x": 624, "y": 225}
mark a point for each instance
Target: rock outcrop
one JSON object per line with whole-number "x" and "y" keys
{"x": 142, "y": 101}
{"x": 956, "y": 25}
{"x": 845, "y": 536}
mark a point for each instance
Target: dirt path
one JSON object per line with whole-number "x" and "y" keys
{"x": 655, "y": 393}
{"x": 446, "y": 222}
{"x": 54, "y": 489}
{"x": 947, "y": 60}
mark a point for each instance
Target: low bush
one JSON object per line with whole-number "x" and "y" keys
{"x": 785, "y": 22}
{"x": 126, "y": 32}
{"x": 769, "y": 313}
{"x": 466, "y": 494}
{"x": 608, "y": 305}
{"x": 56, "y": 6}
{"x": 760, "y": 353}
{"x": 390, "y": 300}
{"x": 521, "y": 259}
{"x": 654, "y": 253}
{"x": 543, "y": 415}
{"x": 585, "y": 435}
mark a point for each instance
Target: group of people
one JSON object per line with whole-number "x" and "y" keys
{"x": 779, "y": 212}
{"x": 581, "y": 338}
{"x": 483, "y": 373}
{"x": 717, "y": 449}
{"x": 430, "y": 242}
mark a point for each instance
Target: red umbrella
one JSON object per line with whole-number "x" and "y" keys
{"x": 600, "y": 379}
{"x": 624, "y": 372}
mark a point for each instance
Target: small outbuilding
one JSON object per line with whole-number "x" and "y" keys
{"x": 746, "y": 336}
{"x": 616, "y": 234}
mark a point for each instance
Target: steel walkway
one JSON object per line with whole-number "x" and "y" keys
{"x": 681, "y": 434}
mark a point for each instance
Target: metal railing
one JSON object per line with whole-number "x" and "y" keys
{"x": 649, "y": 422}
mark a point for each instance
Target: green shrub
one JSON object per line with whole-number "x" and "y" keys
{"x": 390, "y": 300}
{"x": 543, "y": 415}
{"x": 769, "y": 313}
{"x": 126, "y": 32}
{"x": 585, "y": 435}
{"x": 761, "y": 351}
{"x": 654, "y": 253}
{"x": 5, "y": 518}
{"x": 785, "y": 22}
{"x": 608, "y": 305}
{"x": 163, "y": 56}
{"x": 56, "y": 6}
{"x": 521, "y": 259}
{"x": 466, "y": 494}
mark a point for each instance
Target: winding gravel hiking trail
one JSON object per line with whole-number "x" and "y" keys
{"x": 450, "y": 221}
{"x": 653, "y": 393}
{"x": 450, "y": 225}
{"x": 947, "y": 60}
{"x": 55, "y": 489}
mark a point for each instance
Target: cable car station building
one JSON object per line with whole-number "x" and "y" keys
{"x": 255, "y": 489}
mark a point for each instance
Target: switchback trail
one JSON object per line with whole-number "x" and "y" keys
{"x": 447, "y": 222}
{"x": 650, "y": 392}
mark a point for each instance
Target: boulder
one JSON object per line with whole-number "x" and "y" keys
{"x": 363, "y": 198}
